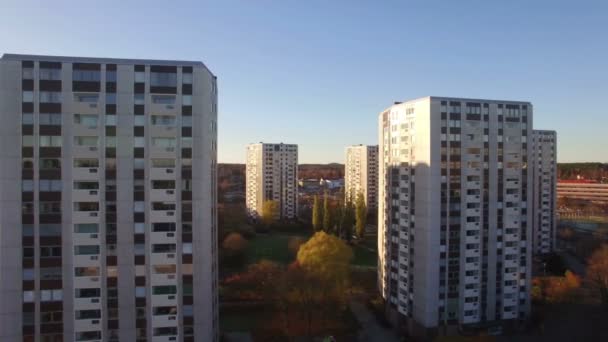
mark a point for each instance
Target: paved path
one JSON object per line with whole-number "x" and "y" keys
{"x": 371, "y": 331}
{"x": 573, "y": 264}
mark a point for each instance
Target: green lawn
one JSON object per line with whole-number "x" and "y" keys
{"x": 364, "y": 257}
{"x": 272, "y": 247}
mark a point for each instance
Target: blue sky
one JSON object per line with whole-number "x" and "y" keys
{"x": 317, "y": 73}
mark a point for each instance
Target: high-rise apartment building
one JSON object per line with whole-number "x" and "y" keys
{"x": 361, "y": 174}
{"x": 107, "y": 200}
{"x": 544, "y": 169}
{"x": 272, "y": 175}
{"x": 455, "y": 213}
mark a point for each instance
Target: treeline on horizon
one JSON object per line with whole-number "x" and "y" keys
{"x": 566, "y": 171}
{"x": 591, "y": 171}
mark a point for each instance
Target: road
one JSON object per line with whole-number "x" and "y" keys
{"x": 371, "y": 331}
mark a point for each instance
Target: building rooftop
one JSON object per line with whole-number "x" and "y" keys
{"x": 101, "y": 60}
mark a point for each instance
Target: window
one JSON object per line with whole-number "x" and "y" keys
{"x": 187, "y": 248}
{"x": 163, "y": 99}
{"x": 28, "y": 96}
{"x": 140, "y": 77}
{"x": 86, "y": 162}
{"x": 86, "y": 250}
{"x": 49, "y": 185}
{"x": 85, "y": 141}
{"x": 27, "y": 185}
{"x": 163, "y": 142}
{"x": 50, "y": 141}
{"x": 90, "y": 271}
{"x": 187, "y": 100}
{"x": 86, "y": 75}
{"x": 53, "y": 119}
{"x": 163, "y": 269}
{"x": 163, "y": 79}
{"x": 27, "y": 73}
{"x": 163, "y": 163}
{"x": 27, "y": 141}
{"x": 86, "y": 228}
{"x": 139, "y": 249}
{"x": 28, "y": 274}
{"x": 88, "y": 335}
{"x": 163, "y": 120}
{"x": 86, "y": 120}
{"x": 28, "y": 296}
{"x": 50, "y": 97}
{"x": 110, "y": 120}
{"x": 139, "y": 163}
{"x": 187, "y": 78}
{"x": 139, "y": 142}
{"x": 88, "y": 292}
{"x": 164, "y": 290}
{"x": 139, "y": 120}
{"x": 50, "y": 208}
{"x": 27, "y": 119}
{"x": 86, "y": 98}
{"x": 51, "y": 295}
{"x": 186, "y": 121}
{"x": 139, "y": 99}
{"x": 139, "y": 228}
{"x": 88, "y": 314}
{"x": 111, "y": 142}
{"x": 138, "y": 207}
{"x": 140, "y": 292}
{"x": 110, "y": 76}
{"x": 50, "y": 74}
{"x": 187, "y": 142}
{"x": 110, "y": 98}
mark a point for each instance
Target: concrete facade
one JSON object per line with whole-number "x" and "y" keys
{"x": 272, "y": 174}
{"x": 108, "y": 226}
{"x": 545, "y": 188}
{"x": 361, "y": 174}
{"x": 454, "y": 215}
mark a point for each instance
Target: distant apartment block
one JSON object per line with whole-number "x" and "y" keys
{"x": 361, "y": 174}
{"x": 583, "y": 190}
{"x": 108, "y": 227}
{"x": 454, "y": 216}
{"x": 272, "y": 174}
{"x": 544, "y": 169}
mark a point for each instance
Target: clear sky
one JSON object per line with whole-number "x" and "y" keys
{"x": 317, "y": 73}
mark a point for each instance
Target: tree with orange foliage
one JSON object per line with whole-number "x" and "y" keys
{"x": 597, "y": 273}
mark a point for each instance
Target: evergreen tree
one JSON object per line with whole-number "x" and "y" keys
{"x": 326, "y": 213}
{"x": 316, "y": 214}
{"x": 348, "y": 220}
{"x": 361, "y": 215}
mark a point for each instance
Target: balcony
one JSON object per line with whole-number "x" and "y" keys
{"x": 164, "y": 109}
{"x": 169, "y": 338}
{"x": 87, "y": 260}
{"x": 80, "y": 151}
{"x": 88, "y": 303}
{"x": 158, "y": 173}
{"x": 164, "y": 321}
{"x": 85, "y": 195}
{"x": 163, "y": 216}
{"x": 162, "y": 258}
{"x": 164, "y": 300}
{"x": 86, "y": 173}
{"x": 162, "y": 195}
{"x": 87, "y": 324}
{"x": 163, "y": 279}
{"x": 163, "y": 152}
{"x": 87, "y": 282}
{"x": 86, "y": 107}
{"x": 86, "y": 217}
{"x": 163, "y": 237}
{"x": 85, "y": 239}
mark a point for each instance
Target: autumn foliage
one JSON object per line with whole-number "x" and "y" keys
{"x": 556, "y": 289}
{"x": 597, "y": 273}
